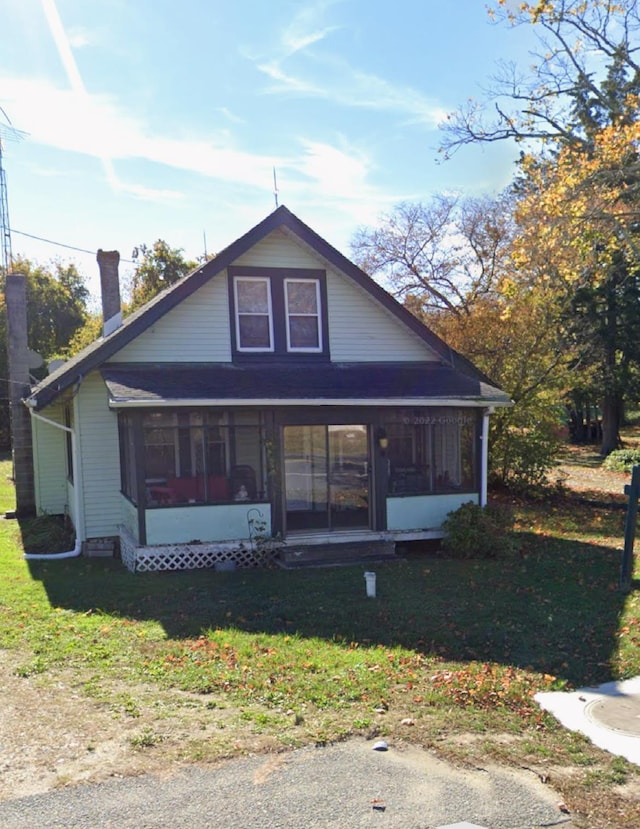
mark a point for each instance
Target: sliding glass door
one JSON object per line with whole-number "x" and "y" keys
{"x": 326, "y": 475}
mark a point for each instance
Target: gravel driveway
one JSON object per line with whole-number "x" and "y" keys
{"x": 346, "y": 786}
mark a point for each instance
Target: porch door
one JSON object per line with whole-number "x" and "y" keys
{"x": 326, "y": 477}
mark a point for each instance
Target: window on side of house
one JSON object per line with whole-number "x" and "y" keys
{"x": 254, "y": 315}
{"x": 302, "y": 310}
{"x": 432, "y": 451}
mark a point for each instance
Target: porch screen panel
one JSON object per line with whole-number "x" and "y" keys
{"x": 410, "y": 455}
{"x": 128, "y": 471}
{"x": 160, "y": 444}
{"x": 454, "y": 450}
{"x": 203, "y": 457}
{"x": 431, "y": 450}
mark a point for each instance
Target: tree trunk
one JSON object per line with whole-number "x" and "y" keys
{"x": 611, "y": 418}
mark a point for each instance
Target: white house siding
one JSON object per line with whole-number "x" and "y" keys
{"x": 97, "y": 431}
{"x": 50, "y": 463}
{"x": 280, "y": 250}
{"x": 196, "y": 330}
{"x": 360, "y": 329}
{"x": 423, "y": 512}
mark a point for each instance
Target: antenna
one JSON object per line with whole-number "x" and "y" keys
{"x": 275, "y": 187}
{"x": 7, "y": 132}
{"x": 204, "y": 239}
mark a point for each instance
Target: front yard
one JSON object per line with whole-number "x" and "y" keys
{"x": 105, "y": 672}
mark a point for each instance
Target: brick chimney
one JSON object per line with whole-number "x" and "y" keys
{"x": 19, "y": 388}
{"x": 108, "y": 261}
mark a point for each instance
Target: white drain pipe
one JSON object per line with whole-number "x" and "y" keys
{"x": 77, "y": 549}
{"x": 55, "y": 556}
{"x": 484, "y": 461}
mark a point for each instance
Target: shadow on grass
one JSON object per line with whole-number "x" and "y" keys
{"x": 554, "y": 608}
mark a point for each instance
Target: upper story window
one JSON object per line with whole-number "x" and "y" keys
{"x": 278, "y": 313}
{"x": 254, "y": 318}
{"x": 302, "y": 305}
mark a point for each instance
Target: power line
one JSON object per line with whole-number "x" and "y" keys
{"x": 62, "y": 245}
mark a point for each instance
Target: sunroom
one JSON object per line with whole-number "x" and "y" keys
{"x": 201, "y": 476}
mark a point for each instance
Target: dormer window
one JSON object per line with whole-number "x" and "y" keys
{"x": 302, "y": 306}
{"x": 278, "y": 313}
{"x": 254, "y": 319}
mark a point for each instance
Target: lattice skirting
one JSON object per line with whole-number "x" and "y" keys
{"x": 221, "y": 555}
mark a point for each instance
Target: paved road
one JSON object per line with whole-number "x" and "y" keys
{"x": 345, "y": 786}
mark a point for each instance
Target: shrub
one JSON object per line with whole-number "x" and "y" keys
{"x": 622, "y": 460}
{"x": 523, "y": 448}
{"x": 478, "y": 532}
{"x": 47, "y": 534}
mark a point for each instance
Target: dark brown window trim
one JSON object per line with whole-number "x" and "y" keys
{"x": 276, "y": 277}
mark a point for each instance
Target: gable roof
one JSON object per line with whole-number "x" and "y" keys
{"x": 99, "y": 352}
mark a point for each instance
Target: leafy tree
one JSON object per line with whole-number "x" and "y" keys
{"x": 159, "y": 267}
{"x": 485, "y": 309}
{"x": 565, "y": 96}
{"x": 85, "y": 336}
{"x": 56, "y": 306}
{"x": 585, "y": 222}
{"x": 580, "y": 190}
{"x": 514, "y": 337}
{"x": 56, "y": 309}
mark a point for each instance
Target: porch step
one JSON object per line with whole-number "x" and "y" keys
{"x": 333, "y": 555}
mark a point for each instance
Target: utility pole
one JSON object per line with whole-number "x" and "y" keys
{"x": 15, "y": 290}
{"x": 7, "y": 131}
{"x": 5, "y": 227}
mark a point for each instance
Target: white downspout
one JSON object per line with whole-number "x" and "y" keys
{"x": 484, "y": 461}
{"x": 79, "y": 522}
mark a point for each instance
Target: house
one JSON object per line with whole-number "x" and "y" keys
{"x": 276, "y": 391}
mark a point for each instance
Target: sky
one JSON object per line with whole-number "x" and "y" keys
{"x": 155, "y": 119}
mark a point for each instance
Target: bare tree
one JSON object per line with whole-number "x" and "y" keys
{"x": 565, "y": 94}
{"x": 444, "y": 253}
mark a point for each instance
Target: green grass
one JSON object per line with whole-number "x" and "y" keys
{"x": 304, "y": 656}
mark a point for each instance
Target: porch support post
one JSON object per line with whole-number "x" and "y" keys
{"x": 141, "y": 494}
{"x": 484, "y": 461}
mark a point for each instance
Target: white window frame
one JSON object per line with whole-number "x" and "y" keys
{"x": 238, "y": 313}
{"x": 318, "y": 315}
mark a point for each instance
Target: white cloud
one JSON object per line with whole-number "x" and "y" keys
{"x": 231, "y": 116}
{"x": 298, "y": 42}
{"x": 349, "y": 87}
{"x": 79, "y": 38}
{"x": 287, "y": 83}
{"x": 322, "y": 74}
{"x": 305, "y": 29}
{"x": 333, "y": 170}
{"x": 94, "y": 125}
